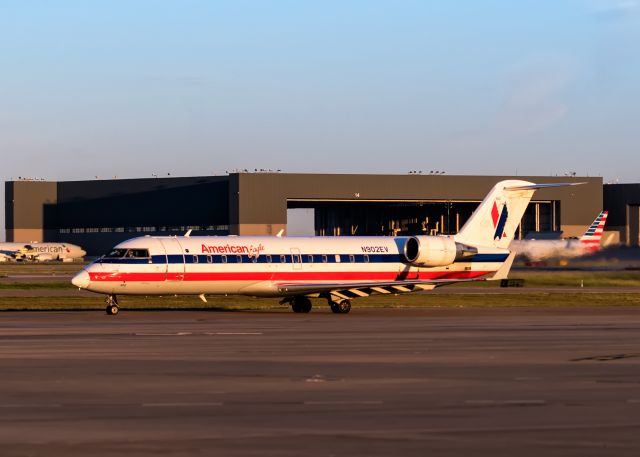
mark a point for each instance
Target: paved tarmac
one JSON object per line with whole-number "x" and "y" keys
{"x": 401, "y": 382}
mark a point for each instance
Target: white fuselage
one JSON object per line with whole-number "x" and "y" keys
{"x": 41, "y": 251}
{"x": 538, "y": 250}
{"x": 260, "y": 266}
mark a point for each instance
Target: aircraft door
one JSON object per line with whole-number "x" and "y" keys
{"x": 157, "y": 266}
{"x": 175, "y": 259}
{"x": 296, "y": 259}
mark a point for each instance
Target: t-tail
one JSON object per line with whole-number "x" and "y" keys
{"x": 494, "y": 222}
{"x": 591, "y": 238}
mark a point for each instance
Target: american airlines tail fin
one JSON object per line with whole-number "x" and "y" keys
{"x": 592, "y": 236}
{"x": 494, "y": 222}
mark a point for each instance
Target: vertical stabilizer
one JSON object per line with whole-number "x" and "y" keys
{"x": 494, "y": 222}
{"x": 591, "y": 238}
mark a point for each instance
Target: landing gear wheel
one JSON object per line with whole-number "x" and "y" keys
{"x": 112, "y": 310}
{"x": 341, "y": 307}
{"x": 301, "y": 305}
{"x": 112, "y": 305}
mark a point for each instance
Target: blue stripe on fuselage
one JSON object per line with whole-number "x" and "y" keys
{"x": 283, "y": 258}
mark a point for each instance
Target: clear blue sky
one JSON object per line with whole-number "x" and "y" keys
{"x": 131, "y": 88}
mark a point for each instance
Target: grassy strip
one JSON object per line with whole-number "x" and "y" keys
{"x": 57, "y": 268}
{"x": 553, "y": 300}
{"x": 576, "y": 278}
{"x": 13, "y": 285}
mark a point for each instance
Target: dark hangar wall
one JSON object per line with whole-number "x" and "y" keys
{"x": 169, "y": 202}
{"x": 100, "y": 213}
{"x": 623, "y": 203}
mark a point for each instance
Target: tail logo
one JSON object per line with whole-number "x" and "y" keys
{"x": 499, "y": 220}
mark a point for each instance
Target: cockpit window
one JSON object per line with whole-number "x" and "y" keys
{"x": 128, "y": 254}
{"x": 116, "y": 253}
{"x": 137, "y": 253}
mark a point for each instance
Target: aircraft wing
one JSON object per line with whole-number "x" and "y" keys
{"x": 8, "y": 253}
{"x": 364, "y": 289}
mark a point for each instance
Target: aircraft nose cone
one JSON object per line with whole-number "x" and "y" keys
{"x": 81, "y": 280}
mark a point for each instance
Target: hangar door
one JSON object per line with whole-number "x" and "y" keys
{"x": 633, "y": 225}
{"x": 301, "y": 222}
{"x": 406, "y": 217}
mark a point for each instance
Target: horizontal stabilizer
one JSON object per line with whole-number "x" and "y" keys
{"x": 544, "y": 186}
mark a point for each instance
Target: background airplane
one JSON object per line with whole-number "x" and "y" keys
{"x": 540, "y": 250}
{"x": 40, "y": 252}
{"x": 337, "y": 269}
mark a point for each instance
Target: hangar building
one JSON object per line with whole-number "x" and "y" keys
{"x": 623, "y": 203}
{"x": 98, "y": 214}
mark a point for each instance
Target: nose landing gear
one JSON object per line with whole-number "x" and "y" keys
{"x": 112, "y": 305}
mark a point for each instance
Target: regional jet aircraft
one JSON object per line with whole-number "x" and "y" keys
{"x": 540, "y": 250}
{"x": 40, "y": 252}
{"x": 337, "y": 269}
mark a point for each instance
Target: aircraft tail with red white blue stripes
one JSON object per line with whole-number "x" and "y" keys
{"x": 592, "y": 237}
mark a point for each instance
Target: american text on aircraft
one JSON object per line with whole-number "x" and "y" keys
{"x": 233, "y": 249}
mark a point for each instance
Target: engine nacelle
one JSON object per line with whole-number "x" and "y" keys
{"x": 44, "y": 257}
{"x": 435, "y": 251}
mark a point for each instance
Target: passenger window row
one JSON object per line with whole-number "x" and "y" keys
{"x": 277, "y": 258}
{"x": 142, "y": 255}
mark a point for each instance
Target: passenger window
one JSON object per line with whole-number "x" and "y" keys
{"x": 195, "y": 258}
{"x": 324, "y": 258}
{"x": 238, "y": 259}
{"x": 366, "y": 258}
{"x": 310, "y": 258}
{"x": 254, "y": 258}
{"x": 283, "y": 259}
{"x": 352, "y": 258}
{"x": 268, "y": 258}
{"x": 224, "y": 259}
{"x": 209, "y": 259}
{"x": 337, "y": 258}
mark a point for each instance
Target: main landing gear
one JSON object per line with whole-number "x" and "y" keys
{"x": 340, "y": 307}
{"x": 112, "y": 305}
{"x": 300, "y": 305}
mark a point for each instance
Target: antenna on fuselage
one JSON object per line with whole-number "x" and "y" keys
{"x": 188, "y": 234}
{"x": 279, "y": 234}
